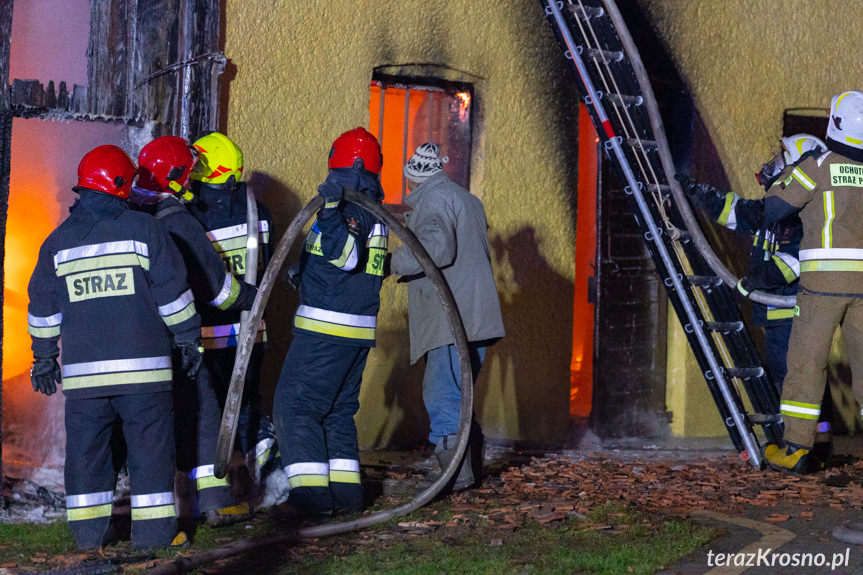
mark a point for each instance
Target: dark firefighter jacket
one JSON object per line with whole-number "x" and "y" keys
{"x": 205, "y": 270}
{"x": 222, "y": 213}
{"x": 341, "y": 271}
{"x": 111, "y": 284}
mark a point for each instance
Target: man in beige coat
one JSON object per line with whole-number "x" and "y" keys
{"x": 450, "y": 223}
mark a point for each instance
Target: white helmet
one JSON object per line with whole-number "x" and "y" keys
{"x": 846, "y": 119}
{"x": 798, "y": 144}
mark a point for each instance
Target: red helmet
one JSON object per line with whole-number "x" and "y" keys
{"x": 107, "y": 169}
{"x": 165, "y": 164}
{"x": 354, "y": 144}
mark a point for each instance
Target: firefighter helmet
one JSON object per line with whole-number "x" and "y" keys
{"x": 798, "y": 144}
{"x": 353, "y": 145}
{"x": 107, "y": 169}
{"x": 846, "y": 119}
{"x": 164, "y": 165}
{"x": 219, "y": 159}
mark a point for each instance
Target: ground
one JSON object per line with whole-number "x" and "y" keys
{"x": 605, "y": 511}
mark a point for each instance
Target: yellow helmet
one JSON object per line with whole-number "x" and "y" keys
{"x": 218, "y": 159}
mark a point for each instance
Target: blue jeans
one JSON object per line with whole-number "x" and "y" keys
{"x": 442, "y": 387}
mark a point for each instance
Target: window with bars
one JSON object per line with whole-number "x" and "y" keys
{"x": 407, "y": 112}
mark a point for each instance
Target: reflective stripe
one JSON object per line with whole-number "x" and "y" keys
{"x": 151, "y": 499}
{"x": 95, "y": 250}
{"x": 344, "y": 477}
{"x": 350, "y": 255}
{"x": 344, "y": 471}
{"x": 229, "y": 341}
{"x": 368, "y": 321}
{"x": 125, "y": 378}
{"x": 89, "y": 499}
{"x": 210, "y": 482}
{"x": 202, "y": 471}
{"x": 235, "y": 231}
{"x": 800, "y": 410}
{"x": 832, "y": 266}
{"x": 103, "y": 262}
{"x": 262, "y": 450}
{"x": 779, "y": 313}
{"x": 829, "y": 214}
{"x": 831, "y": 254}
{"x": 309, "y": 474}
{"x": 334, "y": 329}
{"x": 788, "y": 265}
{"x": 331, "y": 205}
{"x": 160, "y": 512}
{"x": 85, "y": 513}
{"x": 43, "y": 332}
{"x": 180, "y": 316}
{"x": 804, "y": 180}
{"x": 307, "y": 468}
{"x": 178, "y": 304}
{"x": 728, "y": 215}
{"x": 116, "y": 365}
{"x": 345, "y": 465}
{"x": 379, "y": 230}
{"x": 50, "y": 321}
{"x": 229, "y": 293}
{"x": 44, "y": 326}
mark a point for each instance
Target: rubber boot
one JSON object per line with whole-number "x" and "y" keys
{"x": 470, "y": 470}
{"x": 789, "y": 458}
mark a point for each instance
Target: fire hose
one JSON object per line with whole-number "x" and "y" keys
{"x": 245, "y": 343}
{"x": 692, "y": 225}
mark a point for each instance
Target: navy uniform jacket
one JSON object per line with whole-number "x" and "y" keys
{"x": 110, "y": 283}
{"x": 205, "y": 271}
{"x": 341, "y": 271}
{"x": 222, "y": 213}
{"x": 774, "y": 265}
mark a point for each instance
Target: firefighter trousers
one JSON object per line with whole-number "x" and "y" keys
{"x": 197, "y": 427}
{"x": 314, "y": 406}
{"x": 816, "y": 318}
{"x": 147, "y": 420}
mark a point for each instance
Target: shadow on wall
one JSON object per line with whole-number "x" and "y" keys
{"x": 283, "y": 204}
{"x": 534, "y": 356}
{"x": 408, "y": 422}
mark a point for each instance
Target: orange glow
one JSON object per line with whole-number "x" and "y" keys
{"x": 464, "y": 104}
{"x": 581, "y": 368}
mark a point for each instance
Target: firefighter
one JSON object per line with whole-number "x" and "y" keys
{"x": 340, "y": 275}
{"x": 109, "y": 283}
{"x": 220, "y": 205}
{"x": 164, "y": 167}
{"x": 824, "y": 190}
{"x": 773, "y": 263}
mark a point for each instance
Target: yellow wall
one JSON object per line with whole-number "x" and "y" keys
{"x": 302, "y": 77}
{"x": 744, "y": 62}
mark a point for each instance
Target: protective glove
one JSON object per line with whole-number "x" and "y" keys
{"x": 292, "y": 275}
{"x": 192, "y": 357}
{"x": 744, "y": 288}
{"x": 697, "y": 193}
{"x": 332, "y": 190}
{"x": 246, "y": 297}
{"x": 45, "y": 375}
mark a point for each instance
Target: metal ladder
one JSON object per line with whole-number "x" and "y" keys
{"x": 607, "y": 67}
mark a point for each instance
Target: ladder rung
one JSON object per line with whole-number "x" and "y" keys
{"x": 724, "y": 326}
{"x": 705, "y": 281}
{"x": 744, "y": 372}
{"x": 624, "y": 101}
{"x": 661, "y": 188}
{"x": 639, "y": 143}
{"x": 586, "y": 12}
{"x": 604, "y": 56}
